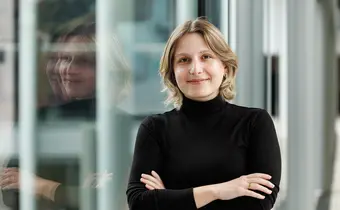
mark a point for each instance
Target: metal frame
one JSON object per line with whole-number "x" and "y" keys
{"x": 106, "y": 21}
{"x": 27, "y": 100}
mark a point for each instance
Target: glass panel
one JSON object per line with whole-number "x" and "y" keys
{"x": 66, "y": 173}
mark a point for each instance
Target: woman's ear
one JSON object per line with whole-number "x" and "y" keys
{"x": 226, "y": 70}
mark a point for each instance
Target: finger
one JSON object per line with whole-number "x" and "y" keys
{"x": 253, "y": 194}
{"x": 261, "y": 181}
{"x": 259, "y": 175}
{"x": 150, "y": 183}
{"x": 11, "y": 186}
{"x": 7, "y": 181}
{"x": 9, "y": 174}
{"x": 152, "y": 179}
{"x": 11, "y": 169}
{"x": 156, "y": 176}
{"x": 255, "y": 186}
{"x": 10, "y": 177}
{"x": 149, "y": 187}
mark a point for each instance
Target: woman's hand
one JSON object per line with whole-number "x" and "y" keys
{"x": 10, "y": 179}
{"x": 152, "y": 181}
{"x": 244, "y": 186}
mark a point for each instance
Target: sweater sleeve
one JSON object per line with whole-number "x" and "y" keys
{"x": 147, "y": 157}
{"x": 265, "y": 156}
{"x": 67, "y": 196}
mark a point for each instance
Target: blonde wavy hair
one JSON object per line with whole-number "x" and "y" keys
{"x": 120, "y": 69}
{"x": 215, "y": 41}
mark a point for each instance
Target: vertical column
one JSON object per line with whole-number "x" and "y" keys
{"x": 27, "y": 99}
{"x": 87, "y": 168}
{"x": 249, "y": 48}
{"x": 232, "y": 35}
{"x": 107, "y": 197}
{"x": 283, "y": 73}
{"x": 225, "y": 19}
{"x": 305, "y": 93}
{"x": 329, "y": 24}
{"x": 185, "y": 10}
{"x": 269, "y": 73}
{"x": 283, "y": 91}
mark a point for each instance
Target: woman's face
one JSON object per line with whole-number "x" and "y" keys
{"x": 198, "y": 71}
{"x": 52, "y": 71}
{"x": 77, "y": 68}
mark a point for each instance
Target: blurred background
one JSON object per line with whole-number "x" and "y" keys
{"x": 288, "y": 52}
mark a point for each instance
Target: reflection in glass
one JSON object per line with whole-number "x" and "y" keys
{"x": 71, "y": 73}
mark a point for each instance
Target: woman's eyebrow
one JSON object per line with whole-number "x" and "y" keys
{"x": 201, "y": 52}
{"x": 180, "y": 54}
{"x": 205, "y": 51}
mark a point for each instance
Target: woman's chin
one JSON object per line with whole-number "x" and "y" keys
{"x": 201, "y": 96}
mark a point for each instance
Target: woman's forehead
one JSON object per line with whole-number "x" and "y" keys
{"x": 190, "y": 44}
{"x": 74, "y": 44}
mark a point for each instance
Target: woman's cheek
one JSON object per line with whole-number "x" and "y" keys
{"x": 180, "y": 70}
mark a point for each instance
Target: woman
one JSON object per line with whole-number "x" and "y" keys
{"x": 206, "y": 153}
{"x": 72, "y": 70}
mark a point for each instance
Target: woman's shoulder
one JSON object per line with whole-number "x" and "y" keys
{"x": 158, "y": 120}
{"x": 251, "y": 113}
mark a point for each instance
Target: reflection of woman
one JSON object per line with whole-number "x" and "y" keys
{"x": 71, "y": 73}
{"x": 207, "y": 153}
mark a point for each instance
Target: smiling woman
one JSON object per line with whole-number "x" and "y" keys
{"x": 202, "y": 52}
{"x": 198, "y": 72}
{"x": 206, "y": 152}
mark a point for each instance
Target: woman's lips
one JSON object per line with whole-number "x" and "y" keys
{"x": 73, "y": 80}
{"x": 197, "y": 81}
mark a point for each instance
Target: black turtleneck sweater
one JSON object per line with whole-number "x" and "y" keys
{"x": 203, "y": 143}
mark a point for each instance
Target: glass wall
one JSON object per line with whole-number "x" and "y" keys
{"x": 66, "y": 145}
{"x": 60, "y": 106}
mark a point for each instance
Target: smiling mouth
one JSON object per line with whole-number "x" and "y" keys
{"x": 197, "y": 81}
{"x": 72, "y": 80}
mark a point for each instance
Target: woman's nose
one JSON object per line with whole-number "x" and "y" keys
{"x": 196, "y": 67}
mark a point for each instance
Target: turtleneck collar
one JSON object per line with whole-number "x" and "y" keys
{"x": 200, "y": 108}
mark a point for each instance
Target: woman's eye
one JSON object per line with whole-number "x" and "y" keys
{"x": 67, "y": 59}
{"x": 206, "y": 57}
{"x": 183, "y": 60}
